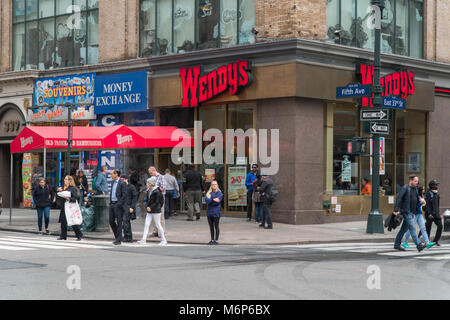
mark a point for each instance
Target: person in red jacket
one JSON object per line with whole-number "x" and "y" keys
{"x": 366, "y": 187}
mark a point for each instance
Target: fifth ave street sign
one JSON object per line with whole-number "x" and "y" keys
{"x": 375, "y": 115}
{"x": 352, "y": 90}
{"x": 379, "y": 128}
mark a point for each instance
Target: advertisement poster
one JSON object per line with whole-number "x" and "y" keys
{"x": 382, "y": 156}
{"x": 30, "y": 161}
{"x": 237, "y": 192}
{"x": 210, "y": 175}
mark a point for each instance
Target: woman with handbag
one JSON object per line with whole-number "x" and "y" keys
{"x": 69, "y": 185}
{"x": 43, "y": 198}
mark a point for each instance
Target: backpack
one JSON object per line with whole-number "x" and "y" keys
{"x": 94, "y": 184}
{"x": 272, "y": 195}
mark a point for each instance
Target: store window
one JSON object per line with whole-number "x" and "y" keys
{"x": 402, "y": 25}
{"x": 50, "y": 34}
{"x": 402, "y": 152}
{"x": 178, "y": 26}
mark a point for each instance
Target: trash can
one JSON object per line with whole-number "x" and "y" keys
{"x": 101, "y": 209}
{"x": 447, "y": 221}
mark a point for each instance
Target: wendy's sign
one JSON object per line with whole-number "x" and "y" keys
{"x": 400, "y": 83}
{"x": 198, "y": 88}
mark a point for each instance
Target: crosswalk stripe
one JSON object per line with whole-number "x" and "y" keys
{"x": 436, "y": 257}
{"x": 33, "y": 245}
{"x": 57, "y": 243}
{"x": 15, "y": 248}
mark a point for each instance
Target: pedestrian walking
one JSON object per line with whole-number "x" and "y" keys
{"x": 172, "y": 189}
{"x": 213, "y": 199}
{"x": 130, "y": 209}
{"x": 43, "y": 198}
{"x": 265, "y": 190}
{"x": 101, "y": 183}
{"x": 432, "y": 211}
{"x": 160, "y": 183}
{"x": 155, "y": 202}
{"x": 117, "y": 198}
{"x": 249, "y": 179}
{"x": 259, "y": 204}
{"x": 418, "y": 218}
{"x": 143, "y": 176}
{"x": 83, "y": 184}
{"x": 406, "y": 204}
{"x": 69, "y": 185}
{"x": 193, "y": 188}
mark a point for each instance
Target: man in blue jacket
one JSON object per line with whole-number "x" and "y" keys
{"x": 249, "y": 179}
{"x": 407, "y": 199}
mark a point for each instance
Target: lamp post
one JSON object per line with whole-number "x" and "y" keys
{"x": 375, "y": 219}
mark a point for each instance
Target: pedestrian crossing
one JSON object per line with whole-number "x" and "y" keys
{"x": 11, "y": 243}
{"x": 381, "y": 249}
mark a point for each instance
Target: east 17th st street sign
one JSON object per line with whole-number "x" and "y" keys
{"x": 379, "y": 128}
{"x": 375, "y": 115}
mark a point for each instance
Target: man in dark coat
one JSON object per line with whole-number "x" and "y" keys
{"x": 130, "y": 210}
{"x": 265, "y": 189}
{"x": 193, "y": 188}
{"x": 407, "y": 200}
{"x": 118, "y": 196}
{"x": 432, "y": 213}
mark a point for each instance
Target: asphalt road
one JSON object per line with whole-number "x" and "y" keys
{"x": 40, "y": 267}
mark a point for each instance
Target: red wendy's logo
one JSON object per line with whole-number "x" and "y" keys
{"x": 199, "y": 88}
{"x": 399, "y": 83}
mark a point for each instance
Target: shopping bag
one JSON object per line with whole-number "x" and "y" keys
{"x": 73, "y": 213}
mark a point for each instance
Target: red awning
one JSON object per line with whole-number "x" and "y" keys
{"x": 164, "y": 137}
{"x": 35, "y": 139}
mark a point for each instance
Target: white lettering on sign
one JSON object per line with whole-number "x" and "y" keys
{"x": 122, "y": 139}
{"x": 24, "y": 142}
{"x": 117, "y": 87}
{"x": 88, "y": 143}
{"x": 118, "y": 100}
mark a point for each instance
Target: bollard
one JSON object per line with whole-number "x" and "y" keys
{"x": 447, "y": 221}
{"x": 101, "y": 209}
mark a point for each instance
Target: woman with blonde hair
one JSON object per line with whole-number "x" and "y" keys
{"x": 213, "y": 199}
{"x": 69, "y": 185}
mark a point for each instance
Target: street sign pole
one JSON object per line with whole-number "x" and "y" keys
{"x": 375, "y": 219}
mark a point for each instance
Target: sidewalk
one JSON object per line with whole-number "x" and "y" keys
{"x": 233, "y": 231}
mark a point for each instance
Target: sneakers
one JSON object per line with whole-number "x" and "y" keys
{"x": 405, "y": 245}
{"x": 249, "y": 219}
{"x": 438, "y": 244}
{"x": 142, "y": 242}
{"x": 400, "y": 248}
{"x": 163, "y": 243}
{"x": 211, "y": 243}
{"x": 117, "y": 243}
{"x": 420, "y": 247}
{"x": 215, "y": 242}
{"x": 430, "y": 244}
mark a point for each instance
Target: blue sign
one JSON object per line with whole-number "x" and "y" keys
{"x": 394, "y": 102}
{"x": 352, "y": 90}
{"x": 77, "y": 89}
{"x": 123, "y": 92}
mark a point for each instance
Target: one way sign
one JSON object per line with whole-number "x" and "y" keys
{"x": 374, "y": 115}
{"x": 379, "y": 128}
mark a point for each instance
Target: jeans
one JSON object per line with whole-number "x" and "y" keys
{"x": 419, "y": 220}
{"x": 408, "y": 224}
{"x": 168, "y": 205}
{"x": 46, "y": 212}
{"x": 267, "y": 214}
{"x": 259, "y": 211}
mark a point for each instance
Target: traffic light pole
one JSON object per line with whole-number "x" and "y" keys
{"x": 375, "y": 219}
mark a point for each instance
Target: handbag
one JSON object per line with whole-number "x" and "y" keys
{"x": 256, "y": 197}
{"x": 73, "y": 214}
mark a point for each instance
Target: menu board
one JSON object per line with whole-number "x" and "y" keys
{"x": 210, "y": 175}
{"x": 237, "y": 191}
{"x": 29, "y": 162}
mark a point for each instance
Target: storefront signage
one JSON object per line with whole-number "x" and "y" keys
{"x": 11, "y": 122}
{"x": 118, "y": 93}
{"x": 399, "y": 83}
{"x": 77, "y": 89}
{"x": 59, "y": 114}
{"x": 371, "y": 115}
{"x": 352, "y": 90}
{"x": 346, "y": 170}
{"x": 198, "y": 88}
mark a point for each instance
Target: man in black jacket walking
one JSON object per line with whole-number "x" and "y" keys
{"x": 129, "y": 210}
{"x": 407, "y": 199}
{"x": 118, "y": 198}
{"x": 432, "y": 213}
{"x": 193, "y": 187}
